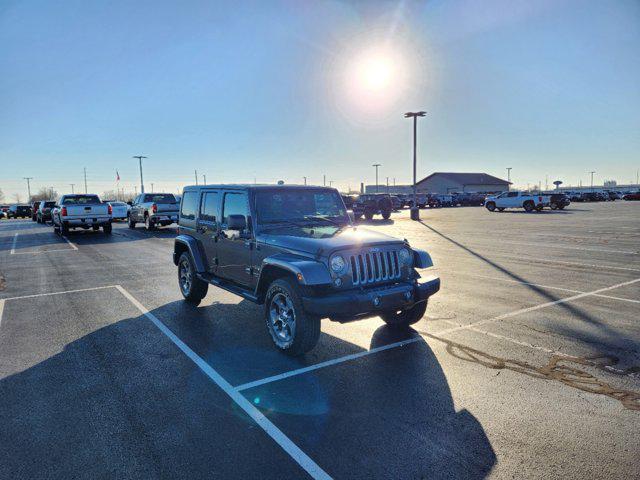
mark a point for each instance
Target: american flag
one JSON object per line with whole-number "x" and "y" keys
{"x": 117, "y": 176}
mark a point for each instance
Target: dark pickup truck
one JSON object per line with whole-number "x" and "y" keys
{"x": 295, "y": 250}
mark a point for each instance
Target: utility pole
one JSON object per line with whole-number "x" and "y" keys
{"x": 28, "y": 179}
{"x": 546, "y": 182}
{"x": 204, "y": 179}
{"x": 85, "y": 180}
{"x": 140, "y": 157}
{"x": 151, "y": 187}
{"x": 509, "y": 174}
{"x": 324, "y": 180}
{"x": 72, "y": 185}
{"x": 387, "y": 184}
{"x": 305, "y": 180}
{"x": 376, "y": 165}
{"x": 196, "y": 174}
{"x": 592, "y": 180}
{"x": 415, "y": 211}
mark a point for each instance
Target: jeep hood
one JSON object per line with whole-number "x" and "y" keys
{"x": 324, "y": 239}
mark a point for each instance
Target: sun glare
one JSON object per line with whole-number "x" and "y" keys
{"x": 376, "y": 72}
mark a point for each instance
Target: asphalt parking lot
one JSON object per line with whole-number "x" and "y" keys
{"x": 526, "y": 365}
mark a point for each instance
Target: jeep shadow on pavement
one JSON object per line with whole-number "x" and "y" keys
{"x": 295, "y": 250}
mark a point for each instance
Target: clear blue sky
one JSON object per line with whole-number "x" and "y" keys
{"x": 266, "y": 89}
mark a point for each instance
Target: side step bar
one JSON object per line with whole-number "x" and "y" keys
{"x": 228, "y": 286}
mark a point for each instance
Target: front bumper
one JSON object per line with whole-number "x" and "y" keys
{"x": 356, "y": 303}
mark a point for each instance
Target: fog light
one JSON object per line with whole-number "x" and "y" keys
{"x": 337, "y": 282}
{"x": 376, "y": 301}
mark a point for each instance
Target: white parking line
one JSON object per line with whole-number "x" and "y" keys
{"x": 611, "y": 297}
{"x": 59, "y": 293}
{"x": 536, "y": 307}
{"x": 328, "y": 363}
{"x": 568, "y": 247}
{"x": 13, "y": 245}
{"x": 312, "y": 468}
{"x": 69, "y": 242}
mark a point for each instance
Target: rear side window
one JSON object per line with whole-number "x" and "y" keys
{"x": 209, "y": 206}
{"x": 235, "y": 204}
{"x": 189, "y": 205}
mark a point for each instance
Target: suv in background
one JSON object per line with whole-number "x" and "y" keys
{"x": 154, "y": 209}
{"x": 371, "y": 204}
{"x": 558, "y": 201}
{"x": 19, "y": 211}
{"x": 44, "y": 211}
{"x": 295, "y": 250}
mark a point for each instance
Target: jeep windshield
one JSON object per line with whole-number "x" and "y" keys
{"x": 300, "y": 207}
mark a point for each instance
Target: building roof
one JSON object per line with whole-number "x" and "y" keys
{"x": 469, "y": 178}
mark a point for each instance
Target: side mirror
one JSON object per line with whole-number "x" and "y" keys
{"x": 237, "y": 222}
{"x": 352, "y": 216}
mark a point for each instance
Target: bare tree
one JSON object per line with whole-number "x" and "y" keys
{"x": 17, "y": 197}
{"x": 44, "y": 194}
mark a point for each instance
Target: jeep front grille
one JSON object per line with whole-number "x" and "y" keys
{"x": 370, "y": 267}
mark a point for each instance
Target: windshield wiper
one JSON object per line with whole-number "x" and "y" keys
{"x": 322, "y": 217}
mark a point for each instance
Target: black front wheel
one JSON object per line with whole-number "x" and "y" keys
{"x": 386, "y": 215}
{"x": 292, "y": 329}
{"x": 402, "y": 319}
{"x": 491, "y": 206}
{"x": 192, "y": 288}
{"x": 131, "y": 222}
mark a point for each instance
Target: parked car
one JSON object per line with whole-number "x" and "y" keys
{"x": 154, "y": 209}
{"x": 592, "y": 197}
{"x": 18, "y": 211}
{"x": 81, "y": 211}
{"x": 613, "y": 196}
{"x": 422, "y": 200}
{"x": 371, "y": 204}
{"x": 34, "y": 210}
{"x": 44, "y": 211}
{"x": 632, "y": 196}
{"x": 119, "y": 210}
{"x": 516, "y": 199}
{"x": 445, "y": 200}
{"x": 294, "y": 250}
{"x": 558, "y": 201}
{"x": 348, "y": 200}
{"x": 395, "y": 201}
{"x": 576, "y": 197}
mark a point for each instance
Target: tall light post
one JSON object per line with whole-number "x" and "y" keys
{"x": 72, "y": 185}
{"x": 204, "y": 178}
{"x": 415, "y": 211}
{"x": 376, "y": 165}
{"x": 140, "y": 157}
{"x": 85, "y": 180}
{"x": 195, "y": 172}
{"x": 28, "y": 179}
{"x": 151, "y": 187}
{"x": 305, "y": 180}
{"x": 592, "y": 180}
{"x": 509, "y": 174}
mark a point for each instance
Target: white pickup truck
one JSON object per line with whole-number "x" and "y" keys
{"x": 516, "y": 199}
{"x": 81, "y": 211}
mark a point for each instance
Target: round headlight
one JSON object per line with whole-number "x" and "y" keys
{"x": 337, "y": 264}
{"x": 405, "y": 256}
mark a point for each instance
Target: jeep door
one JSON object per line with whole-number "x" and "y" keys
{"x": 208, "y": 228}
{"x": 234, "y": 246}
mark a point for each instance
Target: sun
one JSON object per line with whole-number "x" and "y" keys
{"x": 376, "y": 72}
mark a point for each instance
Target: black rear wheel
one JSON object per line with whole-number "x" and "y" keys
{"x": 192, "y": 288}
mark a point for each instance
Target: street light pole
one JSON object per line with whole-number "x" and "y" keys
{"x": 151, "y": 187}
{"x": 305, "y": 180}
{"x": 415, "y": 211}
{"x": 195, "y": 172}
{"x": 72, "y": 185}
{"x": 509, "y": 174}
{"x": 28, "y": 188}
{"x": 140, "y": 157}
{"x": 592, "y": 180}
{"x": 376, "y": 165}
{"x": 85, "y": 180}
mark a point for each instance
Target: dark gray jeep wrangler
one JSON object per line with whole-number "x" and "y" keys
{"x": 295, "y": 250}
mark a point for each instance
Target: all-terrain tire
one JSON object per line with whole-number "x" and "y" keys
{"x": 307, "y": 327}
{"x": 386, "y": 215}
{"x": 491, "y": 206}
{"x": 193, "y": 290}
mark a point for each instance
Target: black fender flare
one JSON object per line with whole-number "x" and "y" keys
{"x": 306, "y": 271}
{"x": 187, "y": 243}
{"x": 421, "y": 259}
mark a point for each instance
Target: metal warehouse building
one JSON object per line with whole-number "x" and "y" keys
{"x": 447, "y": 182}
